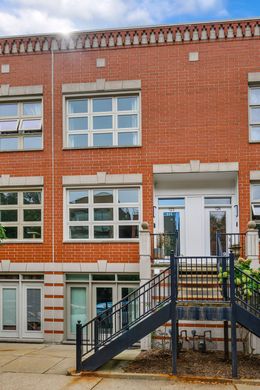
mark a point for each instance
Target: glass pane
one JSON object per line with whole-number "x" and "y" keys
{"x": 79, "y": 123}
{"x": 8, "y": 198}
{"x": 127, "y": 139}
{"x": 32, "y": 124}
{"x": 127, "y": 103}
{"x": 256, "y": 211}
{"x": 254, "y": 96}
{"x": 128, "y": 195}
{"x": 8, "y": 215}
{"x": 128, "y": 277}
{"x": 217, "y": 223}
{"x": 103, "y": 232}
{"x": 33, "y": 309}
{"x": 32, "y": 215}
{"x": 9, "y": 309}
{"x": 130, "y": 307}
{"x": 171, "y": 202}
{"x": 128, "y": 214}
{"x": 78, "y": 214}
{"x": 102, "y": 140}
{"x": 127, "y": 121}
{"x": 103, "y": 277}
{"x": 77, "y": 196}
{"x": 8, "y": 109}
{"x": 103, "y": 196}
{"x": 78, "y": 141}
{"x": 78, "y": 307}
{"x": 102, "y": 122}
{"x": 33, "y": 277}
{"x": 255, "y": 133}
{"x": 77, "y": 277}
{"x": 103, "y": 214}
{"x": 102, "y": 105}
{"x": 218, "y": 201}
{"x": 171, "y": 222}
{"x": 78, "y": 232}
{"x": 255, "y": 192}
{"x": 32, "y": 232}
{"x": 32, "y": 198}
{"x": 32, "y": 109}
{"x": 128, "y": 231}
{"x": 8, "y": 125}
{"x": 78, "y": 106}
{"x": 11, "y": 232}
{"x": 10, "y": 143}
{"x": 32, "y": 142}
{"x": 255, "y": 115}
{"x": 104, "y": 301}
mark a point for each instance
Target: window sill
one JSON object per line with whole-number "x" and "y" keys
{"x": 21, "y": 242}
{"x": 21, "y": 150}
{"x": 103, "y": 147}
{"x": 117, "y": 241}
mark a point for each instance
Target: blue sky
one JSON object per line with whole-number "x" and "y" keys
{"x": 43, "y": 16}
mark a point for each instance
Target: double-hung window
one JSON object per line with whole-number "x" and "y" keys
{"x": 102, "y": 214}
{"x": 102, "y": 121}
{"x": 254, "y": 113}
{"x": 20, "y": 125}
{"x": 255, "y": 204}
{"x": 21, "y": 214}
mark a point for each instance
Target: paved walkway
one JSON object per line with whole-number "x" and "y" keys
{"x": 41, "y": 366}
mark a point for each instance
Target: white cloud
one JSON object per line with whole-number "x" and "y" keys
{"x": 30, "y": 16}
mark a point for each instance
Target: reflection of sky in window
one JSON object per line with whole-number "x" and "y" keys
{"x": 171, "y": 202}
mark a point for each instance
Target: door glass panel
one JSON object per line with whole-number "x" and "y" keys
{"x": 171, "y": 220}
{"x": 217, "y": 222}
{"x": 104, "y": 301}
{"x": 78, "y": 307}
{"x": 129, "y": 306}
{"x": 9, "y": 309}
{"x": 33, "y": 309}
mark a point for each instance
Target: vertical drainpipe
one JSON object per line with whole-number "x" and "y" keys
{"x": 52, "y": 183}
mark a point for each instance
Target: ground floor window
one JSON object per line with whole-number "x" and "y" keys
{"x": 255, "y": 204}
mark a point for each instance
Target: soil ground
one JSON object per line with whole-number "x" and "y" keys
{"x": 194, "y": 363}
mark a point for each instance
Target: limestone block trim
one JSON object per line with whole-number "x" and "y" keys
{"x": 254, "y": 77}
{"x": 196, "y": 166}
{"x": 6, "y": 90}
{"x": 101, "y": 85}
{"x": 254, "y": 175}
{"x": 102, "y": 178}
{"x": 21, "y": 181}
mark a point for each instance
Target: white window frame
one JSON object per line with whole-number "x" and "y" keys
{"x": 250, "y": 124}
{"x": 91, "y": 206}
{"x": 90, "y": 114}
{"x": 20, "y": 207}
{"x": 20, "y": 134}
{"x": 255, "y": 202}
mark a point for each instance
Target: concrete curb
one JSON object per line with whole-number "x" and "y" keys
{"x": 163, "y": 377}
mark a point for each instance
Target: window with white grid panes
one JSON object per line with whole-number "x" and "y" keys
{"x": 21, "y": 214}
{"x": 102, "y": 214}
{"x": 21, "y": 125}
{"x": 254, "y": 113}
{"x": 102, "y": 121}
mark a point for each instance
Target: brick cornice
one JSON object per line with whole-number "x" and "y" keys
{"x": 141, "y": 36}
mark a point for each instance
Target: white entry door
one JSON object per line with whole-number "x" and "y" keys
{"x": 171, "y": 221}
{"x": 217, "y": 219}
{"x": 9, "y": 311}
{"x": 77, "y": 298}
{"x": 32, "y": 311}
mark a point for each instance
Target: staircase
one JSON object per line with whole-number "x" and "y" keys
{"x": 188, "y": 289}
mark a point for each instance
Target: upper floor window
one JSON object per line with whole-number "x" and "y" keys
{"x": 102, "y": 121}
{"x": 21, "y": 214}
{"x": 254, "y": 113}
{"x": 255, "y": 204}
{"x": 20, "y": 125}
{"x": 102, "y": 213}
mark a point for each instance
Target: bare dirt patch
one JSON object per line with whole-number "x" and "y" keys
{"x": 194, "y": 363}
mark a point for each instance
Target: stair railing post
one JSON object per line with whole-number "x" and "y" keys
{"x": 174, "y": 287}
{"x": 78, "y": 346}
{"x": 225, "y": 297}
{"x": 96, "y": 335}
{"x": 233, "y": 315}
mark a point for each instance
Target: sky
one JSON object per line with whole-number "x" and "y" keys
{"x": 19, "y": 17}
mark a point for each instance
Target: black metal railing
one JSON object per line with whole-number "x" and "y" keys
{"x": 162, "y": 244}
{"x": 247, "y": 291}
{"x": 231, "y": 242}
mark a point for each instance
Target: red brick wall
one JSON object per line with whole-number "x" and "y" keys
{"x": 190, "y": 110}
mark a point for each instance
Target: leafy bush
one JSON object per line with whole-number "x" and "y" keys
{"x": 2, "y": 233}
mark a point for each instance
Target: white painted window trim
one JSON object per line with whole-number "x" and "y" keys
{"x": 20, "y": 134}
{"x": 115, "y": 222}
{"x": 251, "y": 125}
{"x": 115, "y": 131}
{"x": 20, "y": 207}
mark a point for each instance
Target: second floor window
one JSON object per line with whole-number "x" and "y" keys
{"x": 254, "y": 114}
{"x": 102, "y": 121}
{"x": 20, "y": 125}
